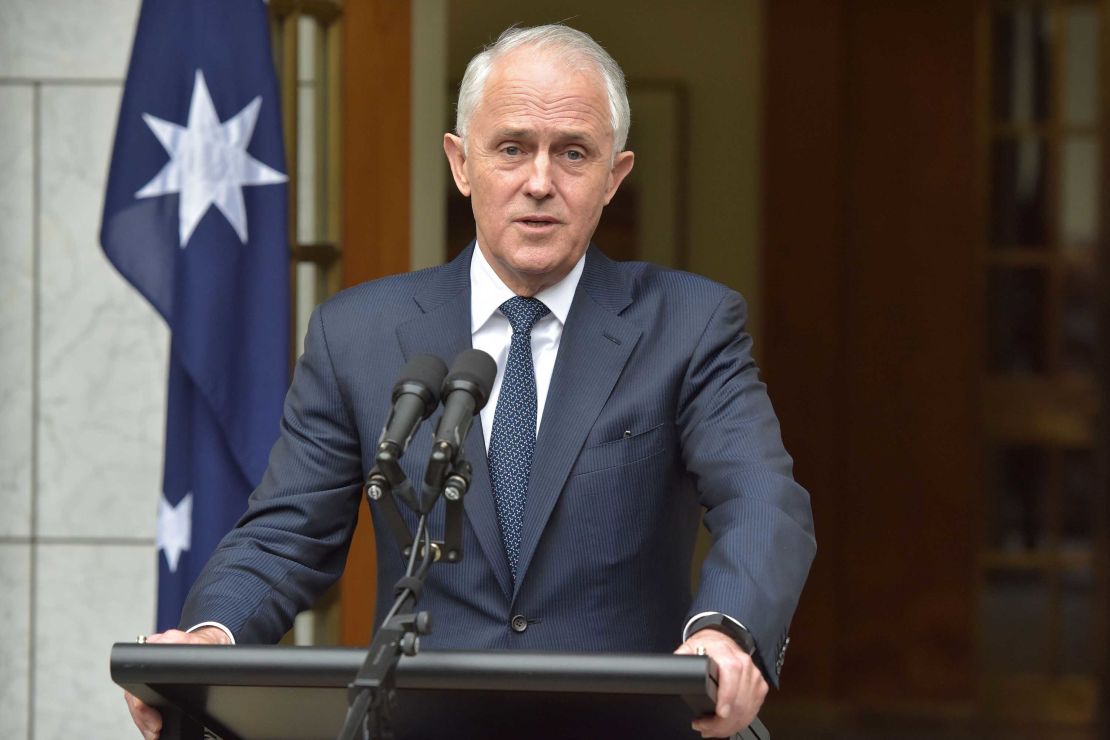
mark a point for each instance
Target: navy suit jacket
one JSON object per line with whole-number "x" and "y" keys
{"x": 655, "y": 411}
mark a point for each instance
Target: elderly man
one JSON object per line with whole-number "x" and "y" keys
{"x": 626, "y": 401}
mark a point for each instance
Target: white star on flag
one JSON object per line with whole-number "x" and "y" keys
{"x": 175, "y": 528}
{"x": 209, "y": 163}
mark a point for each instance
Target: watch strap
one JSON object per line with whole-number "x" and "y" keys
{"x": 727, "y": 625}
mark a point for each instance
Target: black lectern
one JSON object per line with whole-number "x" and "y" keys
{"x": 300, "y": 693}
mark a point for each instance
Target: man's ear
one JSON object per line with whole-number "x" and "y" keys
{"x": 456, "y": 157}
{"x": 622, "y": 165}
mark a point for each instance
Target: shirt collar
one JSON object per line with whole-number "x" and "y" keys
{"x": 487, "y": 292}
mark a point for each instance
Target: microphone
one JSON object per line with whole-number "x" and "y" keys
{"x": 415, "y": 397}
{"x": 465, "y": 391}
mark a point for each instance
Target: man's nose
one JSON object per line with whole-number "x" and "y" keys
{"x": 539, "y": 177}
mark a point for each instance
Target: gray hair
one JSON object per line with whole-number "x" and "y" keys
{"x": 575, "y": 43}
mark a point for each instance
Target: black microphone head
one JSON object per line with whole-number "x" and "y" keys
{"x": 423, "y": 376}
{"x": 474, "y": 371}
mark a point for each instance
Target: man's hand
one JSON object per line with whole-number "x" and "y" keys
{"x": 148, "y": 719}
{"x": 740, "y": 686}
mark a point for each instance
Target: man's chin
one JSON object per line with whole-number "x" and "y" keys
{"x": 537, "y": 267}
{"x": 535, "y": 260}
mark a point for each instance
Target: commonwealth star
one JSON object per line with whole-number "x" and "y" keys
{"x": 209, "y": 164}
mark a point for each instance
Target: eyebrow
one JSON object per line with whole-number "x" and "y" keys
{"x": 574, "y": 135}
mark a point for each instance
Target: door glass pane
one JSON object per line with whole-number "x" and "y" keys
{"x": 1015, "y": 316}
{"x": 1079, "y": 214}
{"x": 308, "y": 297}
{"x": 1079, "y": 329}
{"x": 1081, "y": 65}
{"x": 1015, "y": 621}
{"x": 1018, "y": 200}
{"x": 1078, "y": 505}
{"x": 307, "y": 231}
{"x": 306, "y": 48}
{"x": 1017, "y": 505}
{"x": 1019, "y": 69}
{"x": 1077, "y": 637}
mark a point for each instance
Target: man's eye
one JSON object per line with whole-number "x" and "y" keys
{"x": 512, "y": 151}
{"x": 575, "y": 156}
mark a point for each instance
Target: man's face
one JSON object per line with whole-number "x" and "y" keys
{"x": 539, "y": 166}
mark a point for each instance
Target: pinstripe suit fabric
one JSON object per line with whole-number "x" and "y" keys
{"x": 655, "y": 410}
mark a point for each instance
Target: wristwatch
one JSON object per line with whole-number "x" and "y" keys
{"x": 738, "y": 632}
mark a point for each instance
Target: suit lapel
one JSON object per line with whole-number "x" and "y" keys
{"x": 443, "y": 329}
{"x": 442, "y": 326}
{"x": 594, "y": 348}
{"x": 481, "y": 510}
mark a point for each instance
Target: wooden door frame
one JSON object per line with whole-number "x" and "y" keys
{"x": 376, "y": 131}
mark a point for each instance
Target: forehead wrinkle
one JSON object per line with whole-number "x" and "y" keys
{"x": 521, "y": 94}
{"x": 524, "y": 114}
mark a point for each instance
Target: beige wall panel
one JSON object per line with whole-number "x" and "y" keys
{"x": 16, "y": 307}
{"x": 103, "y": 351}
{"x": 86, "y": 598}
{"x": 45, "y": 39}
{"x": 15, "y": 626}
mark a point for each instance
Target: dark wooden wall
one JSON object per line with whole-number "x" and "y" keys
{"x": 872, "y": 337}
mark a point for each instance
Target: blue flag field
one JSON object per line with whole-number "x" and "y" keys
{"x": 195, "y": 219}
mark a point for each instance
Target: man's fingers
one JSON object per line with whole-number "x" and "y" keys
{"x": 727, "y": 685}
{"x": 170, "y": 636}
{"x": 146, "y": 718}
{"x": 203, "y": 636}
{"x": 728, "y": 682}
{"x": 740, "y": 688}
{"x": 703, "y": 725}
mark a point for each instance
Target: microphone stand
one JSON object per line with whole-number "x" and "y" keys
{"x": 371, "y": 692}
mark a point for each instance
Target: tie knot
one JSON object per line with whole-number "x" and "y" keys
{"x": 523, "y": 313}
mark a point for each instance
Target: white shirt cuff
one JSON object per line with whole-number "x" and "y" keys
{"x": 217, "y": 625}
{"x": 696, "y": 617}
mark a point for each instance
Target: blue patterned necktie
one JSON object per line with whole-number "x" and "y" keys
{"x": 513, "y": 439}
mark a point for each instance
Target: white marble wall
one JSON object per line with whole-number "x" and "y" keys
{"x": 15, "y": 648}
{"x": 82, "y": 380}
{"x": 102, "y": 351}
{"x": 16, "y": 370}
{"x": 16, "y": 307}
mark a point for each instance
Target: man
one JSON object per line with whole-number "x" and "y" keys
{"x": 639, "y": 380}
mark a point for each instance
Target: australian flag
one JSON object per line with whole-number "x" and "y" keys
{"x": 195, "y": 219}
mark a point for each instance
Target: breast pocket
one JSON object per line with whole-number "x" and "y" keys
{"x": 620, "y": 451}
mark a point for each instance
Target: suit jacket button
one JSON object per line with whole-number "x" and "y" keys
{"x": 519, "y": 623}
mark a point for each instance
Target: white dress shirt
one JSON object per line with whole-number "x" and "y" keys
{"x": 491, "y": 332}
